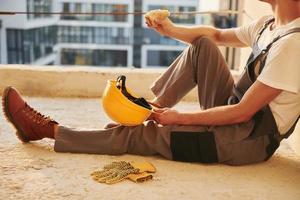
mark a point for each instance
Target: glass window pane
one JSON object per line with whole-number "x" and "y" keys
{"x": 161, "y": 58}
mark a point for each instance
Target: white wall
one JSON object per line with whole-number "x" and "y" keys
{"x": 212, "y": 5}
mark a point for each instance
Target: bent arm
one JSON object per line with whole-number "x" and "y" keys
{"x": 188, "y": 34}
{"x": 223, "y": 37}
{"x": 258, "y": 96}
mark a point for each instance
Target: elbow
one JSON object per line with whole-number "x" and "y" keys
{"x": 244, "y": 118}
{"x": 213, "y": 34}
{"x": 217, "y": 37}
{"x": 243, "y": 114}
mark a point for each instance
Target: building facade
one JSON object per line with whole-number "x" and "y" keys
{"x": 90, "y": 40}
{"x": 27, "y": 38}
{"x": 96, "y": 40}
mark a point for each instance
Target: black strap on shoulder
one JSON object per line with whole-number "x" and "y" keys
{"x": 288, "y": 32}
{"x": 268, "y": 47}
{"x": 265, "y": 51}
{"x": 266, "y": 24}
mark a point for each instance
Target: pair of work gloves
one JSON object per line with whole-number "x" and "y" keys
{"x": 121, "y": 170}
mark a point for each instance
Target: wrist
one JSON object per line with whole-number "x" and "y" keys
{"x": 182, "y": 119}
{"x": 171, "y": 30}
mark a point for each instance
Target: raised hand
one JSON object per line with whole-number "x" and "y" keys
{"x": 159, "y": 20}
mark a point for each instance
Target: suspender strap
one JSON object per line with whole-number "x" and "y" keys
{"x": 290, "y": 31}
{"x": 266, "y": 24}
{"x": 266, "y": 50}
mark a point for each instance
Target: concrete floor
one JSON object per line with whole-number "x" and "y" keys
{"x": 35, "y": 171}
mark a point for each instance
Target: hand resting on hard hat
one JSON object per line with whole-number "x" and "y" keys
{"x": 156, "y": 110}
{"x": 165, "y": 116}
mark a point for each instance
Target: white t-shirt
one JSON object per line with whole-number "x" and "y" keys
{"x": 282, "y": 68}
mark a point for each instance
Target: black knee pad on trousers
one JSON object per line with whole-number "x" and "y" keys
{"x": 194, "y": 147}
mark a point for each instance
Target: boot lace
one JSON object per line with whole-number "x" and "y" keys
{"x": 36, "y": 116}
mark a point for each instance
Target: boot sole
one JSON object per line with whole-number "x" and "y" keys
{"x": 20, "y": 134}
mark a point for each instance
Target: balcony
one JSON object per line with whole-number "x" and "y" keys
{"x": 34, "y": 171}
{"x": 72, "y": 96}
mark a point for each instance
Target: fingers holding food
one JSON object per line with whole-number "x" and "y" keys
{"x": 154, "y": 17}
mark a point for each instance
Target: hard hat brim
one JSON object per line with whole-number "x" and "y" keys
{"x": 120, "y": 109}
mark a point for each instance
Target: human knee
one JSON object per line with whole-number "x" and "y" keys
{"x": 201, "y": 41}
{"x": 204, "y": 47}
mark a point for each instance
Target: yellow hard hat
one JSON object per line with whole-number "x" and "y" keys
{"x": 122, "y": 106}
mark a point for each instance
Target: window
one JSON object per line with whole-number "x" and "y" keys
{"x": 97, "y": 35}
{"x": 95, "y": 8}
{"x": 181, "y": 19}
{"x": 161, "y": 58}
{"x": 84, "y": 38}
{"x": 100, "y": 57}
{"x": 39, "y": 6}
{"x": 26, "y": 46}
{"x": 14, "y": 46}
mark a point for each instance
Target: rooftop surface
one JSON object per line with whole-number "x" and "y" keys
{"x": 35, "y": 171}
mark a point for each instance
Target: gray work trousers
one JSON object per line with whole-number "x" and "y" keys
{"x": 201, "y": 64}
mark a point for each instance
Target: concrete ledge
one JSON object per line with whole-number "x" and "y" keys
{"x": 73, "y": 81}
{"x": 88, "y": 82}
{"x": 51, "y": 81}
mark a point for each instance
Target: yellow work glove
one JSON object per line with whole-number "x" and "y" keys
{"x": 120, "y": 170}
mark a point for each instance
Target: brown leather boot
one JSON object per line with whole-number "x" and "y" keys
{"x": 30, "y": 124}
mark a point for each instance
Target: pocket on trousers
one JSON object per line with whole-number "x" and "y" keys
{"x": 194, "y": 147}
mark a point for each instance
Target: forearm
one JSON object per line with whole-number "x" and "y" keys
{"x": 223, "y": 115}
{"x": 232, "y": 114}
{"x": 189, "y": 34}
